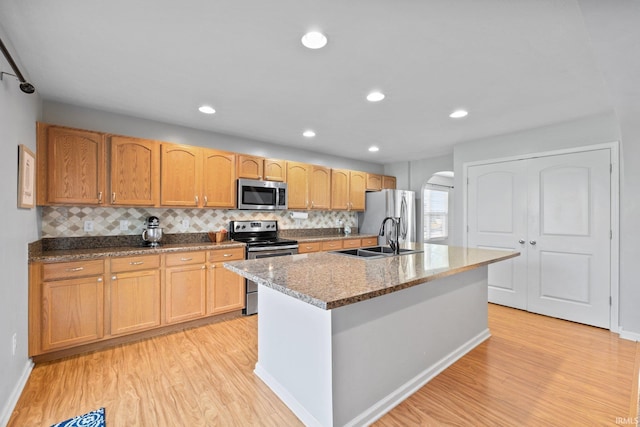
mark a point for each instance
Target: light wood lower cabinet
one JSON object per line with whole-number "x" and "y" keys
{"x": 135, "y": 292}
{"x": 71, "y": 298}
{"x": 185, "y": 286}
{"x": 225, "y": 289}
{"x": 305, "y": 248}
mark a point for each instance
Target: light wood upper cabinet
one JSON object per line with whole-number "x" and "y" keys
{"x": 388, "y": 182}
{"x": 275, "y": 170}
{"x": 254, "y": 167}
{"x": 347, "y": 189}
{"x": 71, "y": 166}
{"x": 320, "y": 187}
{"x": 197, "y": 177}
{"x": 374, "y": 182}
{"x": 250, "y": 167}
{"x": 298, "y": 185}
{"x": 309, "y": 186}
{"x": 218, "y": 180}
{"x": 181, "y": 167}
{"x": 135, "y": 171}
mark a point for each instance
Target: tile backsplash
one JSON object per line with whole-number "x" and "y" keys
{"x": 63, "y": 221}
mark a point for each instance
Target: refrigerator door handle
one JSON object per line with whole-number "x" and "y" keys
{"x": 403, "y": 217}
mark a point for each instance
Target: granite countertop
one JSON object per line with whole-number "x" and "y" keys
{"x": 61, "y": 250}
{"x": 328, "y": 280}
{"x": 328, "y": 237}
{"x": 62, "y": 255}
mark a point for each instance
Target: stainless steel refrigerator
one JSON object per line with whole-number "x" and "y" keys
{"x": 396, "y": 203}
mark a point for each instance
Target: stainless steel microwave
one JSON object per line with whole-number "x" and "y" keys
{"x": 262, "y": 195}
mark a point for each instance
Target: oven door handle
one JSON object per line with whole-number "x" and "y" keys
{"x": 272, "y": 248}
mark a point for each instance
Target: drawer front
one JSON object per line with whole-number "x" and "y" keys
{"x": 332, "y": 245}
{"x": 134, "y": 263}
{"x": 66, "y": 270}
{"x": 370, "y": 241}
{"x": 304, "y": 248}
{"x": 184, "y": 258}
{"x": 351, "y": 243}
{"x": 222, "y": 255}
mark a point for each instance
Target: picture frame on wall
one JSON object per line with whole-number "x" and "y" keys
{"x": 26, "y": 177}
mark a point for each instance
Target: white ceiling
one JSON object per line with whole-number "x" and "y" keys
{"x": 514, "y": 64}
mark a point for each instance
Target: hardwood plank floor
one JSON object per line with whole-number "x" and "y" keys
{"x": 534, "y": 370}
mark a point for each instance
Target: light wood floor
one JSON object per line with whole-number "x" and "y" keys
{"x": 533, "y": 371}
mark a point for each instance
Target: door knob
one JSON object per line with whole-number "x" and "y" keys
{"x": 521, "y": 241}
{"x": 532, "y": 242}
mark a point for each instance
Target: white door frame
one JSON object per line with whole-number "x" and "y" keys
{"x": 615, "y": 210}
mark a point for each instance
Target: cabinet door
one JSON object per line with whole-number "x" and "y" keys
{"x": 331, "y": 245}
{"x": 339, "y": 189}
{"x": 135, "y": 301}
{"x": 135, "y": 171}
{"x": 181, "y": 175}
{"x": 374, "y": 182}
{"x": 250, "y": 167}
{"x": 219, "y": 179}
{"x": 185, "y": 293}
{"x": 75, "y": 166}
{"x": 357, "y": 184}
{"x": 275, "y": 170}
{"x": 226, "y": 290}
{"x": 72, "y": 312}
{"x": 389, "y": 182}
{"x": 320, "y": 187}
{"x": 298, "y": 184}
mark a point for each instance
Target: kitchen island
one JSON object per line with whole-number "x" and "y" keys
{"x": 342, "y": 340}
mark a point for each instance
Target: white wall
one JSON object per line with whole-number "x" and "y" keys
{"x": 102, "y": 121}
{"x": 615, "y": 35}
{"x": 18, "y": 113}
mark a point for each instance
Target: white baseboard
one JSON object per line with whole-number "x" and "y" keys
{"x": 7, "y": 409}
{"x": 632, "y": 336}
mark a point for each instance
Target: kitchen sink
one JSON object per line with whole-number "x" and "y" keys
{"x": 374, "y": 252}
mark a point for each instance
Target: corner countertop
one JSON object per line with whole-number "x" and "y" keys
{"x": 329, "y": 280}
{"x": 64, "y": 255}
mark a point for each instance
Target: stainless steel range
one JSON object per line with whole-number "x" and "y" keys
{"x": 261, "y": 238}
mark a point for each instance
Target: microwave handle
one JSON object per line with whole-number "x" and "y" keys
{"x": 277, "y": 198}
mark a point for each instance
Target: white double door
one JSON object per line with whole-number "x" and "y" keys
{"x": 555, "y": 211}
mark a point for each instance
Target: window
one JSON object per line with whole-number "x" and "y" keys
{"x": 436, "y": 214}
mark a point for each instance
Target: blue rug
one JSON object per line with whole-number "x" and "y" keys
{"x": 90, "y": 419}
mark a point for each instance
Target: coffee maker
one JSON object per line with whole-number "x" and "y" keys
{"x": 153, "y": 233}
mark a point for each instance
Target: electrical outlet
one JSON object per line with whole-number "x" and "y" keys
{"x": 88, "y": 226}
{"x": 124, "y": 225}
{"x": 185, "y": 224}
{"x": 14, "y": 343}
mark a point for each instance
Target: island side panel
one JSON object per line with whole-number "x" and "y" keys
{"x": 294, "y": 355}
{"x": 386, "y": 348}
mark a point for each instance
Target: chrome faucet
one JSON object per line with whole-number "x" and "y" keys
{"x": 395, "y": 244}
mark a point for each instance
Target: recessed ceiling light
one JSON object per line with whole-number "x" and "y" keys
{"x": 375, "y": 96}
{"x": 458, "y": 114}
{"x": 206, "y": 109}
{"x": 314, "y": 40}
{"x": 373, "y": 149}
{"x": 309, "y": 133}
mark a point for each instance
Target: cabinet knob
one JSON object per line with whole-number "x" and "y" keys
{"x": 99, "y": 196}
{"x": 136, "y": 263}
{"x": 204, "y": 266}
{"x": 99, "y": 279}
{"x": 113, "y": 197}
{"x": 73, "y": 270}
{"x": 532, "y": 242}
{"x": 196, "y": 198}
{"x": 206, "y": 200}
{"x": 521, "y": 241}
{"x": 114, "y": 277}
{"x": 186, "y": 259}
